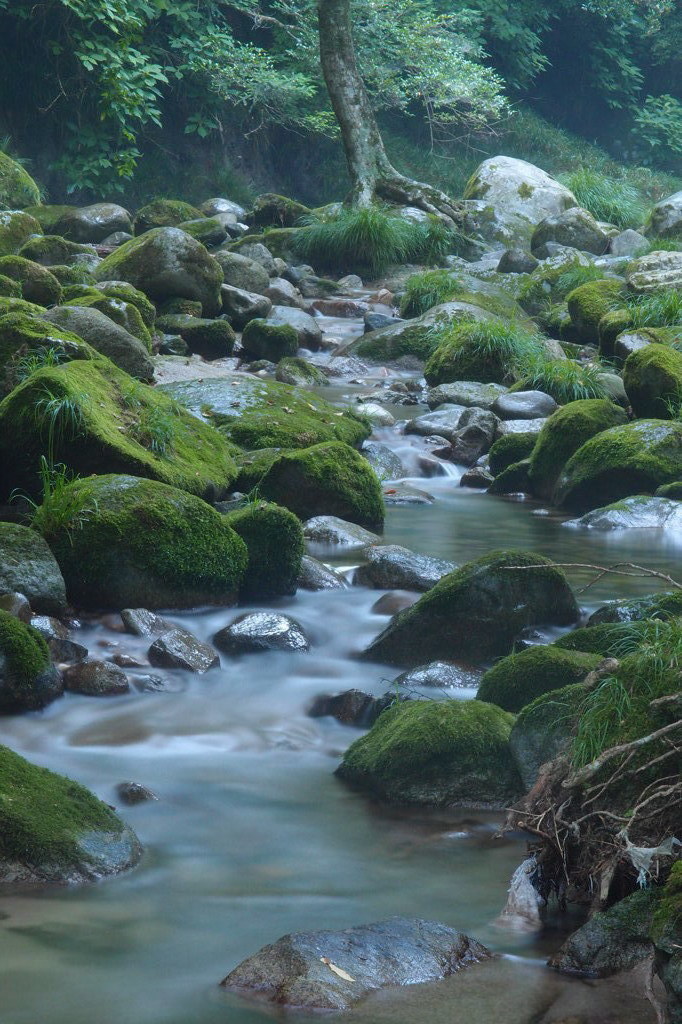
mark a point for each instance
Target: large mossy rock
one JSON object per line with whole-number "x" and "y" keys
{"x": 326, "y": 479}
{"x": 413, "y": 339}
{"x": 544, "y": 729}
{"x": 28, "y": 567}
{"x": 93, "y": 223}
{"x": 264, "y": 340}
{"x": 106, "y": 336}
{"x": 166, "y": 263}
{"x": 125, "y": 542}
{"x": 274, "y": 541}
{"x": 652, "y": 606}
{"x": 635, "y": 458}
{"x": 125, "y": 314}
{"x": 548, "y": 282}
{"x": 589, "y": 303}
{"x": 462, "y": 356}
{"x": 254, "y": 413}
{"x": 17, "y": 188}
{"x": 510, "y": 448}
{"x": 28, "y": 679}
{"x": 38, "y": 285}
{"x": 563, "y": 434}
{"x": 16, "y": 227}
{"x": 53, "y": 250}
{"x": 96, "y": 419}
{"x": 653, "y": 381}
{"x": 436, "y": 754}
{"x": 161, "y": 213}
{"x": 476, "y": 612}
{"x": 54, "y": 830}
{"x": 515, "y": 681}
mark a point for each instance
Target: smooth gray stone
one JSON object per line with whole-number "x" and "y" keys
{"x": 392, "y": 567}
{"x": 524, "y": 405}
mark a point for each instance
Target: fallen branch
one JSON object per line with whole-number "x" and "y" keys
{"x": 617, "y": 569}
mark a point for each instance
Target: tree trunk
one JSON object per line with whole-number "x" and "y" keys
{"x": 371, "y": 172}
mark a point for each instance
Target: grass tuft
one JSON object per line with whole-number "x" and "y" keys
{"x": 564, "y": 379}
{"x": 424, "y": 291}
{"x": 616, "y": 201}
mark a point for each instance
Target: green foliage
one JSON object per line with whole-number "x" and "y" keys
{"x": 423, "y": 291}
{"x": 564, "y": 379}
{"x": 488, "y": 351}
{"x": 659, "y": 309}
{"x": 618, "y": 202}
{"x": 574, "y": 277}
{"x": 659, "y": 123}
{"x": 36, "y": 360}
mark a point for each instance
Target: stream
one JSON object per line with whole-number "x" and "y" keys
{"x": 252, "y": 836}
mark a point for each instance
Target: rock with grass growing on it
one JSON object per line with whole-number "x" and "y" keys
{"x": 484, "y": 352}
{"x": 27, "y": 343}
{"x": 54, "y": 830}
{"x": 515, "y": 681}
{"x": 122, "y": 541}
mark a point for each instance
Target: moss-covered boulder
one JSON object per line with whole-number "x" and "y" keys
{"x": 165, "y": 263}
{"x": 28, "y": 567}
{"x": 263, "y": 340}
{"x": 16, "y": 227}
{"x": 476, "y": 612}
{"x": 164, "y": 213}
{"x": 10, "y": 304}
{"x": 48, "y": 215}
{"x": 512, "y": 480}
{"x": 605, "y": 639}
{"x": 272, "y": 210}
{"x": 254, "y": 413}
{"x": 95, "y": 419}
{"x": 93, "y": 223}
{"x": 653, "y": 381}
{"x": 134, "y": 297}
{"x": 653, "y": 606}
{"x": 37, "y": 283}
{"x": 274, "y": 541}
{"x": 17, "y": 187}
{"x": 28, "y": 679}
{"x": 635, "y": 458}
{"x": 207, "y": 230}
{"x": 9, "y": 287}
{"x": 27, "y": 342}
{"x": 485, "y": 353}
{"x": 518, "y": 679}
{"x": 552, "y": 281}
{"x": 413, "y": 340}
{"x": 544, "y": 729}
{"x": 242, "y": 272}
{"x": 124, "y": 542}
{"x": 436, "y": 754}
{"x": 54, "y": 830}
{"x": 106, "y": 336}
{"x": 326, "y": 479}
{"x": 49, "y": 250}
{"x": 75, "y": 274}
{"x": 123, "y": 313}
{"x": 563, "y": 434}
{"x": 589, "y": 303}
{"x": 293, "y": 370}
{"x": 610, "y": 326}
{"x": 212, "y": 339}
{"x": 510, "y": 448}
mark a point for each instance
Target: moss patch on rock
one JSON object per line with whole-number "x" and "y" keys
{"x": 589, "y": 302}
{"x": 515, "y": 681}
{"x": 436, "y": 753}
{"x": 161, "y": 213}
{"x": 510, "y": 448}
{"x": 121, "y": 541}
{"x": 15, "y": 229}
{"x": 28, "y": 681}
{"x": 37, "y": 283}
{"x": 17, "y": 188}
{"x": 653, "y": 381}
{"x": 52, "y": 249}
{"x": 544, "y": 729}
{"x": 476, "y": 612}
{"x": 26, "y": 342}
{"x": 274, "y": 541}
{"x": 264, "y": 340}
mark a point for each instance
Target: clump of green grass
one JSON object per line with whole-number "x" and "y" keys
{"x": 27, "y": 364}
{"x": 616, "y": 201}
{"x": 59, "y": 508}
{"x": 370, "y": 239}
{"x": 155, "y": 430}
{"x": 663, "y": 245}
{"x": 481, "y": 350}
{"x": 564, "y": 379}
{"x": 659, "y": 309}
{"x": 424, "y": 291}
{"x": 574, "y": 277}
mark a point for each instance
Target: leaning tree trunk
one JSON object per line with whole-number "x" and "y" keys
{"x": 371, "y": 172}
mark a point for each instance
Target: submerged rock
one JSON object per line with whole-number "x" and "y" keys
{"x": 332, "y": 970}
{"x": 352, "y": 707}
{"x": 441, "y": 674}
{"x": 315, "y": 575}
{"x": 638, "y": 513}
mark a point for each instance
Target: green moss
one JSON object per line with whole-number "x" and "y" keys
{"x": 163, "y": 213}
{"x": 68, "y": 276}
{"x": 127, "y": 293}
{"x": 476, "y": 612}
{"x": 212, "y": 339}
{"x": 49, "y": 216}
{"x": 17, "y": 188}
{"x": 253, "y": 466}
{"x": 24, "y": 655}
{"x": 37, "y": 283}
{"x": 604, "y": 639}
{"x": 44, "y": 818}
{"x": 487, "y": 352}
{"x": 673, "y": 491}
{"x": 254, "y": 413}
{"x": 10, "y": 287}
{"x": 175, "y": 307}
{"x": 518, "y": 679}
{"x": 544, "y": 729}
{"x": 512, "y": 480}
{"x": 9, "y": 304}
{"x": 15, "y": 228}
{"x": 293, "y": 370}
{"x": 436, "y": 753}
{"x": 119, "y": 425}
{"x": 666, "y": 926}
{"x": 553, "y": 280}
{"x": 589, "y": 303}
{"x": 610, "y": 326}
{"x": 274, "y": 210}
{"x": 510, "y": 448}
{"x": 122, "y": 541}
{"x": 274, "y": 541}
{"x": 388, "y": 344}
{"x": 563, "y": 434}
{"x": 49, "y": 249}
{"x": 326, "y": 479}
{"x": 264, "y": 340}
{"x": 653, "y": 606}
{"x": 635, "y": 458}
{"x": 653, "y": 381}
{"x": 207, "y": 230}
{"x": 426, "y": 290}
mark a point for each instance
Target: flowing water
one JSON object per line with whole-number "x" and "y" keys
{"x": 252, "y": 836}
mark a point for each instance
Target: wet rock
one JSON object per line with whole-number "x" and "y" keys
{"x": 96, "y": 679}
{"x": 394, "y": 602}
{"x": 345, "y": 366}
{"x": 151, "y": 683}
{"x": 297, "y": 970}
{"x": 131, "y": 793}
{"x": 614, "y": 940}
{"x": 16, "y": 605}
{"x": 477, "y": 429}
{"x": 60, "y": 644}
{"x": 517, "y": 261}
{"x": 336, "y": 532}
{"x": 243, "y": 273}
{"x": 524, "y": 405}
{"x": 28, "y": 680}
{"x": 315, "y": 575}
{"x": 394, "y": 567}
{"x": 477, "y": 477}
{"x": 180, "y": 649}
{"x": 27, "y": 566}
{"x": 465, "y": 392}
{"x": 374, "y": 321}
{"x": 283, "y": 293}
{"x": 575, "y": 228}
{"x": 405, "y": 494}
{"x": 375, "y": 413}
{"x": 142, "y": 622}
{"x": 640, "y": 512}
{"x": 383, "y": 460}
{"x": 520, "y": 427}
{"x": 261, "y": 631}
{"x": 653, "y": 606}
{"x": 444, "y": 422}
{"x": 440, "y": 674}
{"x": 124, "y": 660}
{"x": 241, "y": 306}
{"x": 296, "y": 371}
{"x": 93, "y": 223}
{"x": 343, "y": 308}
{"x": 352, "y": 707}
{"x": 308, "y": 331}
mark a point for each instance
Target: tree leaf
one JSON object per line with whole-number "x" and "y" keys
{"x": 337, "y": 970}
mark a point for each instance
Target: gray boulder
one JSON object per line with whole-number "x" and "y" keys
{"x": 383, "y": 460}
{"x": 283, "y": 293}
{"x": 307, "y": 329}
{"x": 94, "y": 223}
{"x": 126, "y": 351}
{"x": 241, "y": 306}
{"x": 628, "y": 243}
{"x": 242, "y": 272}
{"x": 516, "y": 261}
{"x": 328, "y": 970}
{"x": 574, "y": 227}
{"x": 665, "y": 220}
{"x": 466, "y": 393}
{"x": 352, "y": 707}
{"x": 331, "y": 531}
{"x": 655, "y": 272}
{"x": 142, "y": 622}
{"x": 524, "y": 405}
{"x": 444, "y": 422}
{"x": 28, "y": 566}
{"x": 60, "y": 645}
{"x": 259, "y": 253}
{"x": 638, "y": 513}
{"x": 390, "y": 567}
{"x": 315, "y": 575}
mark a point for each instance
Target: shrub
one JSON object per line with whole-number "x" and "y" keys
{"x": 618, "y": 202}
